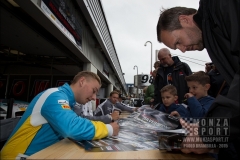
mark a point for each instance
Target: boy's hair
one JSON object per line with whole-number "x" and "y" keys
{"x": 169, "y": 88}
{"x": 156, "y": 64}
{"x": 86, "y": 74}
{"x": 201, "y": 77}
{"x": 114, "y": 92}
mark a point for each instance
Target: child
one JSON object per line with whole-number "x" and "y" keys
{"x": 169, "y": 97}
{"x": 197, "y": 98}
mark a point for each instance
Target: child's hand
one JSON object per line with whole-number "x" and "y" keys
{"x": 188, "y": 95}
{"x": 175, "y": 113}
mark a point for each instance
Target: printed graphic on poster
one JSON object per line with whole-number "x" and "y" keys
{"x": 139, "y": 131}
{"x": 149, "y": 118}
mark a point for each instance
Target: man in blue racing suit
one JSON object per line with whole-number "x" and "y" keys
{"x": 49, "y": 118}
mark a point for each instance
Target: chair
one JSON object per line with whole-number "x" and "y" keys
{"x": 3, "y": 112}
{"x": 7, "y": 126}
{"x": 7, "y": 109}
{"x": 10, "y": 107}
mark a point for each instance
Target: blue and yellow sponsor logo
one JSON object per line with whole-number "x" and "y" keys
{"x": 65, "y": 106}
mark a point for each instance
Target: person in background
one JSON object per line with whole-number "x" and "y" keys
{"x": 121, "y": 106}
{"x": 86, "y": 111}
{"x": 169, "y": 97}
{"x": 124, "y": 107}
{"x": 144, "y": 90}
{"x": 208, "y": 67}
{"x": 156, "y": 65}
{"x": 49, "y": 118}
{"x": 171, "y": 71}
{"x": 108, "y": 107}
{"x": 218, "y": 84}
{"x": 149, "y": 95}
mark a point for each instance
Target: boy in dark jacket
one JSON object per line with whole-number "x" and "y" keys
{"x": 169, "y": 97}
{"x": 198, "y": 100}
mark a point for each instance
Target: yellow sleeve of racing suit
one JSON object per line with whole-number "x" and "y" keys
{"x": 101, "y": 130}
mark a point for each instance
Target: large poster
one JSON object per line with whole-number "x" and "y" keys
{"x": 139, "y": 131}
{"x": 64, "y": 14}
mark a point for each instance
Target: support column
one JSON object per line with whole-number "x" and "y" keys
{"x": 109, "y": 89}
{"x": 91, "y": 68}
